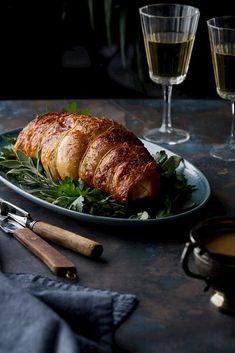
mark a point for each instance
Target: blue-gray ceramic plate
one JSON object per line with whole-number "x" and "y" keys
{"x": 194, "y": 176}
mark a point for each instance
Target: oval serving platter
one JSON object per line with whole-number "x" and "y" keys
{"x": 194, "y": 176}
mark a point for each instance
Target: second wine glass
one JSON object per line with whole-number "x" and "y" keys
{"x": 169, "y": 32}
{"x": 222, "y": 42}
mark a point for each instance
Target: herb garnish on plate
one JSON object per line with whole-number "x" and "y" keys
{"x": 29, "y": 175}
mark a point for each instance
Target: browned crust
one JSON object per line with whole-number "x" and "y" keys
{"x": 111, "y": 138}
{"x": 74, "y": 143}
{"x": 98, "y": 150}
{"x": 30, "y": 138}
{"x": 122, "y": 168}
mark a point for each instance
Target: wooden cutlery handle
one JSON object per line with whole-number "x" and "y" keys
{"x": 68, "y": 239}
{"x": 56, "y": 262}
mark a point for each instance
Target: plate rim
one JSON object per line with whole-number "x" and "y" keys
{"x": 112, "y": 220}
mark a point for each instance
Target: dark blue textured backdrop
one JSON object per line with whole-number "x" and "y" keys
{"x": 49, "y": 49}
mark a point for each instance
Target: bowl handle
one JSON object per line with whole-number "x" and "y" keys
{"x": 188, "y": 249}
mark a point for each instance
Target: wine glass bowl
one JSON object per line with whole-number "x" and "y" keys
{"x": 222, "y": 43}
{"x": 169, "y": 31}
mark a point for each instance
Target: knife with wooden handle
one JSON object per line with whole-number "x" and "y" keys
{"x": 56, "y": 262}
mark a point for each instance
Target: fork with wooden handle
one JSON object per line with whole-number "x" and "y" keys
{"x": 63, "y": 237}
{"x": 70, "y": 240}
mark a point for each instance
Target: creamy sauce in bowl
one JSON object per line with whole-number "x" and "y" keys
{"x": 222, "y": 243}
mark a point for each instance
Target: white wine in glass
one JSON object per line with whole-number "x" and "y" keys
{"x": 169, "y": 31}
{"x": 222, "y": 42}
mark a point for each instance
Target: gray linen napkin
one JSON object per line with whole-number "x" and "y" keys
{"x": 40, "y": 315}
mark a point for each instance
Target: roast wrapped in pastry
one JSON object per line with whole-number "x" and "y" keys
{"x": 98, "y": 150}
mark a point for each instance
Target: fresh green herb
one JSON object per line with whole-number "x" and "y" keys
{"x": 28, "y": 173}
{"x": 72, "y": 107}
{"x": 6, "y": 152}
{"x": 175, "y": 188}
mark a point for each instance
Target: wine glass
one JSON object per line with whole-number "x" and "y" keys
{"x": 169, "y": 31}
{"x": 222, "y": 42}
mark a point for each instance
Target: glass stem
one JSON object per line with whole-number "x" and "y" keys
{"x": 166, "y": 118}
{"x": 232, "y": 133}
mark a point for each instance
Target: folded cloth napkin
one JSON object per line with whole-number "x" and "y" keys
{"x": 40, "y": 315}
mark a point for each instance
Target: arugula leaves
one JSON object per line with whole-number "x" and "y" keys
{"x": 28, "y": 173}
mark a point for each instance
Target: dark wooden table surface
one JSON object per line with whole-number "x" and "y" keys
{"x": 173, "y": 314}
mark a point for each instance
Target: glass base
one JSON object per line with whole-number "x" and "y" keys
{"x": 225, "y": 152}
{"x": 170, "y": 136}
